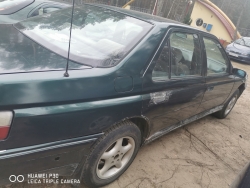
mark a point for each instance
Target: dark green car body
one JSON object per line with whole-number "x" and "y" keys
{"x": 57, "y": 119}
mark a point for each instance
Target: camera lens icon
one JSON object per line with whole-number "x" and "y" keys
{"x": 14, "y": 178}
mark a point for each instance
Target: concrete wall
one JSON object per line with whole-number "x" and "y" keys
{"x": 219, "y": 30}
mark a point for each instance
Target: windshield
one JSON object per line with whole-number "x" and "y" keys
{"x": 243, "y": 42}
{"x": 246, "y": 41}
{"x": 100, "y": 37}
{"x": 12, "y": 6}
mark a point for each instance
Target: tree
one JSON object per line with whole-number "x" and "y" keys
{"x": 187, "y": 19}
{"x": 233, "y": 9}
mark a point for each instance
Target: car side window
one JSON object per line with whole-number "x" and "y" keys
{"x": 185, "y": 55}
{"x": 161, "y": 69}
{"x": 216, "y": 60}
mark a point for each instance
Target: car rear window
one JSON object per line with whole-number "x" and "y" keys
{"x": 100, "y": 37}
{"x": 12, "y": 6}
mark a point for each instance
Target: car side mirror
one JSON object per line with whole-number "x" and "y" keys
{"x": 240, "y": 73}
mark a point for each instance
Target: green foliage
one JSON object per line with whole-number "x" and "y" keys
{"x": 187, "y": 20}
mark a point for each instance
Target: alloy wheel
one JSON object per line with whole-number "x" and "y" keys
{"x": 231, "y": 105}
{"x": 115, "y": 157}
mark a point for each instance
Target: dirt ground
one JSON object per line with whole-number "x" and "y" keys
{"x": 208, "y": 153}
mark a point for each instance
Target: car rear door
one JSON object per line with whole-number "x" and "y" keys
{"x": 219, "y": 80}
{"x": 174, "y": 84}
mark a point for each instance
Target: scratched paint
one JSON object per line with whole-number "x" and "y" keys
{"x": 159, "y": 97}
{"x": 182, "y": 123}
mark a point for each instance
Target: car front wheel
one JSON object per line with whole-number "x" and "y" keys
{"x": 228, "y": 106}
{"x": 112, "y": 155}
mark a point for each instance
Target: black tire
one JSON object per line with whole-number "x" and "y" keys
{"x": 245, "y": 182}
{"x": 224, "y": 112}
{"x": 109, "y": 140}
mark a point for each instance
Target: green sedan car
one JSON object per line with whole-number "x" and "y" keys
{"x": 79, "y": 95}
{"x": 13, "y": 11}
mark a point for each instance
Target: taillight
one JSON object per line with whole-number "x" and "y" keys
{"x": 5, "y": 121}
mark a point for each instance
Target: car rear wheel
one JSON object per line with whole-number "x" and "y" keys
{"x": 228, "y": 106}
{"x": 112, "y": 155}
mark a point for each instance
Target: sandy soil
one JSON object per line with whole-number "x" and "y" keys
{"x": 207, "y": 153}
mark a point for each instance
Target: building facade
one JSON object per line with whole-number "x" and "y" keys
{"x": 208, "y": 17}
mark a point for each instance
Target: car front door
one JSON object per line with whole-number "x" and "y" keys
{"x": 174, "y": 84}
{"x": 219, "y": 81}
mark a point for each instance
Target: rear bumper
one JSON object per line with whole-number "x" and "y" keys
{"x": 61, "y": 157}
